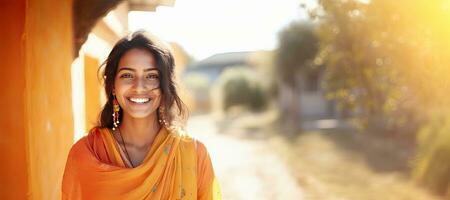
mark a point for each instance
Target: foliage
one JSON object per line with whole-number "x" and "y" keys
{"x": 238, "y": 86}
{"x": 389, "y": 61}
{"x": 432, "y": 164}
{"x": 263, "y": 62}
{"x": 296, "y": 51}
{"x": 196, "y": 81}
{"x": 293, "y": 61}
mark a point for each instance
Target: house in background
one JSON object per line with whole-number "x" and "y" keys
{"x": 313, "y": 104}
{"x": 201, "y": 76}
{"x": 214, "y": 65}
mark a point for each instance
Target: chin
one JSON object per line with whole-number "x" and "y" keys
{"x": 141, "y": 115}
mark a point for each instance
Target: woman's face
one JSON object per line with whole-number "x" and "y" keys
{"x": 137, "y": 84}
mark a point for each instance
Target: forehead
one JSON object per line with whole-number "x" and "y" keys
{"x": 137, "y": 59}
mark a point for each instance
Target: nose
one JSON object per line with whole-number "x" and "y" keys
{"x": 140, "y": 85}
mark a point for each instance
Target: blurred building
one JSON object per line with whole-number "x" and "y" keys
{"x": 214, "y": 65}
{"x": 202, "y": 75}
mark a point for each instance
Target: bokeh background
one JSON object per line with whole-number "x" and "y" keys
{"x": 294, "y": 99}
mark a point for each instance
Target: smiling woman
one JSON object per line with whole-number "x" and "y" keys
{"x": 136, "y": 85}
{"x": 136, "y": 151}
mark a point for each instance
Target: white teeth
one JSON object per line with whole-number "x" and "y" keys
{"x": 139, "y": 100}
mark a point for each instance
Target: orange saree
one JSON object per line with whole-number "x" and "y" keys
{"x": 176, "y": 167}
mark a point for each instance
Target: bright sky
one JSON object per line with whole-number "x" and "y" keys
{"x": 207, "y": 27}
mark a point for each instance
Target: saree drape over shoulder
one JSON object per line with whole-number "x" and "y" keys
{"x": 176, "y": 167}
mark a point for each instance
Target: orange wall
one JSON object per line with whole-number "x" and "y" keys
{"x": 48, "y": 96}
{"x": 92, "y": 91}
{"x": 13, "y": 170}
{"x": 36, "y": 119}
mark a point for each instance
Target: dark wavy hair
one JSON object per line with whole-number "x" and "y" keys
{"x": 175, "y": 108}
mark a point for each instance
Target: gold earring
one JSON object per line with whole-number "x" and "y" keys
{"x": 162, "y": 117}
{"x": 115, "y": 115}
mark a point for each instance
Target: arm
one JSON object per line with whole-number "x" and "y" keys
{"x": 208, "y": 186}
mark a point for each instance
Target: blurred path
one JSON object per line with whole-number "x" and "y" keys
{"x": 247, "y": 169}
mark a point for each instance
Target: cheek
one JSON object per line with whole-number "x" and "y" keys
{"x": 158, "y": 97}
{"x": 120, "y": 89}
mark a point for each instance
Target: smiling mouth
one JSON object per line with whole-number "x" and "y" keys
{"x": 139, "y": 100}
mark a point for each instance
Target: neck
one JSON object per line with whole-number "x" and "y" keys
{"x": 139, "y": 132}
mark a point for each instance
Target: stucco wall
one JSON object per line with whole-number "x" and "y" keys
{"x": 92, "y": 91}
{"x": 13, "y": 170}
{"x": 36, "y": 119}
{"x": 48, "y": 44}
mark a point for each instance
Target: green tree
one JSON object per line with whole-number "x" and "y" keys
{"x": 237, "y": 86}
{"x": 389, "y": 61}
{"x": 297, "y": 49}
{"x": 357, "y": 74}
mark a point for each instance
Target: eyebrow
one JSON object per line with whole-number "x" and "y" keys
{"x": 131, "y": 69}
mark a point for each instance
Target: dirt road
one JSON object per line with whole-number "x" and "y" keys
{"x": 247, "y": 168}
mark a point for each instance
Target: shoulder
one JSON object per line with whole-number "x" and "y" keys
{"x": 77, "y": 151}
{"x": 97, "y": 131}
{"x": 201, "y": 148}
{"x": 181, "y": 134}
{"x": 188, "y": 139}
{"x": 84, "y": 144}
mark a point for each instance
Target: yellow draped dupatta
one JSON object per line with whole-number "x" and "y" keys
{"x": 176, "y": 167}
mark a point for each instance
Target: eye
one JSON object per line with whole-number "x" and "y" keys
{"x": 152, "y": 76}
{"x": 126, "y": 75}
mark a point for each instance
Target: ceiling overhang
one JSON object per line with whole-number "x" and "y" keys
{"x": 87, "y": 13}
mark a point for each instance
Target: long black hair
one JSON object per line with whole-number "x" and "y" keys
{"x": 165, "y": 65}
